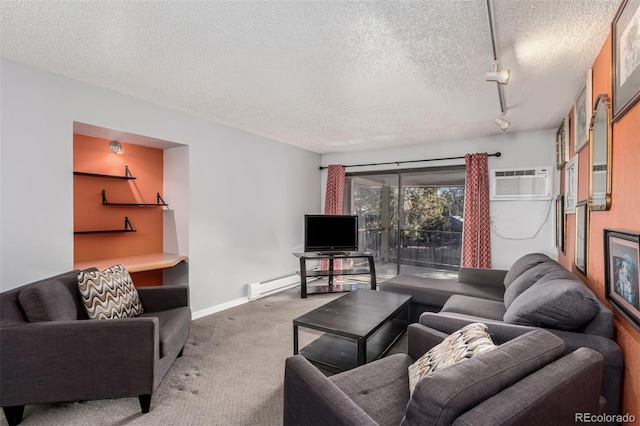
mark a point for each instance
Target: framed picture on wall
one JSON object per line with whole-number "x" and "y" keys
{"x": 566, "y": 137}
{"x": 561, "y": 145}
{"x": 626, "y": 57}
{"x": 582, "y": 228}
{"x": 560, "y": 223}
{"x": 571, "y": 185}
{"x": 582, "y": 110}
{"x": 622, "y": 273}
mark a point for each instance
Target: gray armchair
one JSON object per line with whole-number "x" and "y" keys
{"x": 525, "y": 381}
{"x": 448, "y": 322}
{"x": 51, "y": 352}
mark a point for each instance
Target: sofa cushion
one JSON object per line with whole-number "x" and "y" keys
{"x": 173, "y": 324}
{"x": 441, "y": 397}
{"x": 380, "y": 388}
{"x": 526, "y": 262}
{"x": 562, "y": 303}
{"x": 468, "y": 342}
{"x": 54, "y": 299}
{"x": 560, "y": 274}
{"x": 527, "y": 279}
{"x": 436, "y": 292}
{"x": 109, "y": 294}
{"x": 474, "y": 306}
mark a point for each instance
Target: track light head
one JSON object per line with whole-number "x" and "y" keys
{"x": 499, "y": 76}
{"x": 502, "y": 123}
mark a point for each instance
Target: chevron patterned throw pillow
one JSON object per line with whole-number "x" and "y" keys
{"x": 109, "y": 294}
{"x": 468, "y": 342}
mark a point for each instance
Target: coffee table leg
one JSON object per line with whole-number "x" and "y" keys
{"x": 362, "y": 351}
{"x": 372, "y": 272}
{"x": 295, "y": 340}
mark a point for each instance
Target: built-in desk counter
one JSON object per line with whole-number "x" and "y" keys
{"x": 139, "y": 263}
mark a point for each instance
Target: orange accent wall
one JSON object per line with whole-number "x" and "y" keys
{"x": 147, "y": 278}
{"x": 625, "y": 204}
{"x": 146, "y": 164}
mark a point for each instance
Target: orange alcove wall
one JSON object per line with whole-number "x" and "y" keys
{"x": 146, "y": 164}
{"x": 625, "y": 205}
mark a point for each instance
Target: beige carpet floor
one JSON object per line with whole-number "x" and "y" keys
{"x": 231, "y": 373}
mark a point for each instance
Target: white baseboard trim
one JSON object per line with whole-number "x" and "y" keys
{"x": 220, "y": 307}
{"x": 267, "y": 288}
{"x": 240, "y": 301}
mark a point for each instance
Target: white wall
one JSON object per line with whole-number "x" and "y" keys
{"x": 247, "y": 194}
{"x": 176, "y": 188}
{"x": 515, "y": 222}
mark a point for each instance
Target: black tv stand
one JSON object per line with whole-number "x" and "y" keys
{"x": 331, "y": 272}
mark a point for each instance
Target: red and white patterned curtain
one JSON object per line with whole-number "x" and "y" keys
{"x": 335, "y": 190}
{"x": 333, "y": 201}
{"x": 476, "y": 231}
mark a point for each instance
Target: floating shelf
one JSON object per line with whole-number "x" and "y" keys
{"x": 159, "y": 203}
{"x": 127, "y": 228}
{"x": 127, "y": 175}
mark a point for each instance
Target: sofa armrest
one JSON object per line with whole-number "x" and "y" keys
{"x": 479, "y": 276}
{"x": 77, "y": 360}
{"x": 156, "y": 299}
{"x": 449, "y": 322}
{"x": 421, "y": 339}
{"x": 310, "y": 398}
{"x": 555, "y": 394}
{"x": 502, "y": 332}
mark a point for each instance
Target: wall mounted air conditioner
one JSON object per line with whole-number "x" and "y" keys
{"x": 521, "y": 184}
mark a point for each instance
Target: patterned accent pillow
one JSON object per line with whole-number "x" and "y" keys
{"x": 109, "y": 294}
{"x": 468, "y": 342}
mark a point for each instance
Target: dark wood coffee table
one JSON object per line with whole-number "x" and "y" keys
{"x": 359, "y": 327}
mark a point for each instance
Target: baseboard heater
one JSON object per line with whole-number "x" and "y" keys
{"x": 266, "y": 288}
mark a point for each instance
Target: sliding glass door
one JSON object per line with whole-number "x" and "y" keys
{"x": 410, "y": 220}
{"x": 374, "y": 198}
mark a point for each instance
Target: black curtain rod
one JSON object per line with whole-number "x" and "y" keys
{"x": 497, "y": 154}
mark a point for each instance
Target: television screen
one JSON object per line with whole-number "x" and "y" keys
{"x": 328, "y": 233}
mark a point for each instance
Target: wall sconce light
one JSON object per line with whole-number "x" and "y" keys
{"x": 502, "y": 123}
{"x": 499, "y": 76}
{"x": 115, "y": 146}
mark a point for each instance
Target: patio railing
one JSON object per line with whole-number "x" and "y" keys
{"x": 432, "y": 249}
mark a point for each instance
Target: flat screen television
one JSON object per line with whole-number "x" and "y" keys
{"x": 330, "y": 233}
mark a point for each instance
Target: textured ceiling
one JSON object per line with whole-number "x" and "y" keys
{"x": 327, "y": 76}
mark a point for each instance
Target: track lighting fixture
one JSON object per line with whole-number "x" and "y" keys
{"x": 499, "y": 76}
{"x": 115, "y": 146}
{"x": 502, "y": 123}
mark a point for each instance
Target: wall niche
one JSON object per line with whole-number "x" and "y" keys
{"x": 122, "y": 205}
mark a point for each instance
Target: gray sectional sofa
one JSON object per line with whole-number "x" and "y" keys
{"x": 51, "y": 352}
{"x": 529, "y": 380}
{"x": 536, "y": 292}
